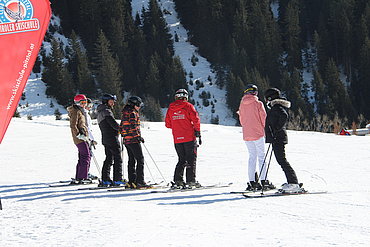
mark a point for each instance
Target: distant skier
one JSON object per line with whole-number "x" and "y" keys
{"x": 92, "y": 141}
{"x": 252, "y": 116}
{"x": 276, "y": 134}
{"x": 130, "y": 131}
{"x": 184, "y": 121}
{"x": 87, "y": 109}
{"x": 78, "y": 125}
{"x": 110, "y": 130}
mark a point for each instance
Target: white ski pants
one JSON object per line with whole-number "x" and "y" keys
{"x": 256, "y": 151}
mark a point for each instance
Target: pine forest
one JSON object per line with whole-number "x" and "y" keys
{"x": 270, "y": 43}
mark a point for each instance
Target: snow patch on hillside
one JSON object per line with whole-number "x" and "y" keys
{"x": 35, "y": 103}
{"x": 201, "y": 71}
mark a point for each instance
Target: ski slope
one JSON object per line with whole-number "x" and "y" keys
{"x": 38, "y": 152}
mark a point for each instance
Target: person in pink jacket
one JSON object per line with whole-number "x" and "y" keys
{"x": 252, "y": 117}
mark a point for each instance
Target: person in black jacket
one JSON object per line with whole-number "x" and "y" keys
{"x": 110, "y": 130}
{"x": 275, "y": 131}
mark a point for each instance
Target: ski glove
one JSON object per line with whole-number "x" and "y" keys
{"x": 83, "y": 137}
{"x": 197, "y": 133}
{"x": 140, "y": 139}
{"x": 200, "y": 140}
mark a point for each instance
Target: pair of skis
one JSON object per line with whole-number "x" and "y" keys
{"x": 65, "y": 183}
{"x": 274, "y": 193}
{"x": 172, "y": 190}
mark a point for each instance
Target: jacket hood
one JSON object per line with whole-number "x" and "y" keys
{"x": 249, "y": 99}
{"x": 177, "y": 105}
{"x": 74, "y": 108}
{"x": 128, "y": 108}
{"x": 283, "y": 102}
{"x": 102, "y": 107}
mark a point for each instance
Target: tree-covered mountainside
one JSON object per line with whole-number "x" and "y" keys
{"x": 328, "y": 39}
{"x": 317, "y": 52}
{"x": 110, "y": 51}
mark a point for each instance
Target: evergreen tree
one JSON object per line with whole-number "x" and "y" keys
{"x": 361, "y": 86}
{"x": 152, "y": 81}
{"x": 235, "y": 89}
{"x": 320, "y": 94}
{"x": 338, "y": 96}
{"x": 152, "y": 110}
{"x": 81, "y": 74}
{"x": 291, "y": 33}
{"x": 56, "y": 75}
{"x": 106, "y": 69}
{"x": 156, "y": 31}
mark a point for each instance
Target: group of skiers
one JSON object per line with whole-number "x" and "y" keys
{"x": 181, "y": 117}
{"x": 258, "y": 128}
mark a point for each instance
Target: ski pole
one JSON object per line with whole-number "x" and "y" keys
{"x": 268, "y": 166}
{"x": 1, "y": 206}
{"x": 263, "y": 164}
{"x": 150, "y": 172}
{"x": 96, "y": 163}
{"x": 122, "y": 156}
{"x": 154, "y": 163}
{"x": 91, "y": 146}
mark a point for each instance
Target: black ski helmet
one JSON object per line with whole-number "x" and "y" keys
{"x": 107, "y": 97}
{"x": 181, "y": 94}
{"x": 272, "y": 93}
{"x": 135, "y": 101}
{"x": 251, "y": 89}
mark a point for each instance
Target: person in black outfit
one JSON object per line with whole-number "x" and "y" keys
{"x": 110, "y": 130}
{"x": 275, "y": 131}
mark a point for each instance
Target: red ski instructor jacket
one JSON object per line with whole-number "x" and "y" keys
{"x": 183, "y": 119}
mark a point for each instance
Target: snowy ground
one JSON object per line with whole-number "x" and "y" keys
{"x": 35, "y": 153}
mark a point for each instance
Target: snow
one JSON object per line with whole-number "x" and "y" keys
{"x": 38, "y": 152}
{"x": 275, "y": 8}
{"x": 35, "y": 103}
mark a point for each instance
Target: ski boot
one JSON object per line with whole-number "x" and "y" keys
{"x": 120, "y": 183}
{"x": 106, "y": 183}
{"x": 253, "y": 186}
{"x": 131, "y": 185}
{"x": 267, "y": 185}
{"x": 291, "y": 188}
{"x": 81, "y": 181}
{"x": 92, "y": 177}
{"x": 191, "y": 185}
{"x": 143, "y": 185}
{"x": 177, "y": 185}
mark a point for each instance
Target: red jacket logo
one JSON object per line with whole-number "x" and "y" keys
{"x": 178, "y": 115}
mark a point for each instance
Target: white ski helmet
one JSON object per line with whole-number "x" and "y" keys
{"x": 181, "y": 94}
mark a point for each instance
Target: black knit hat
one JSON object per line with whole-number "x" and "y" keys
{"x": 272, "y": 93}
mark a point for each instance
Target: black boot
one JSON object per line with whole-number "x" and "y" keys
{"x": 253, "y": 186}
{"x": 267, "y": 185}
{"x": 177, "y": 185}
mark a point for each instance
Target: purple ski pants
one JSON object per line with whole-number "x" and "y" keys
{"x": 83, "y": 164}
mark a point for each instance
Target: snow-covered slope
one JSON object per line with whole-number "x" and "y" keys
{"x": 202, "y": 71}
{"x": 35, "y": 153}
{"x": 35, "y": 103}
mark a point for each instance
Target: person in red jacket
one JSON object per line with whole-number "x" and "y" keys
{"x": 184, "y": 121}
